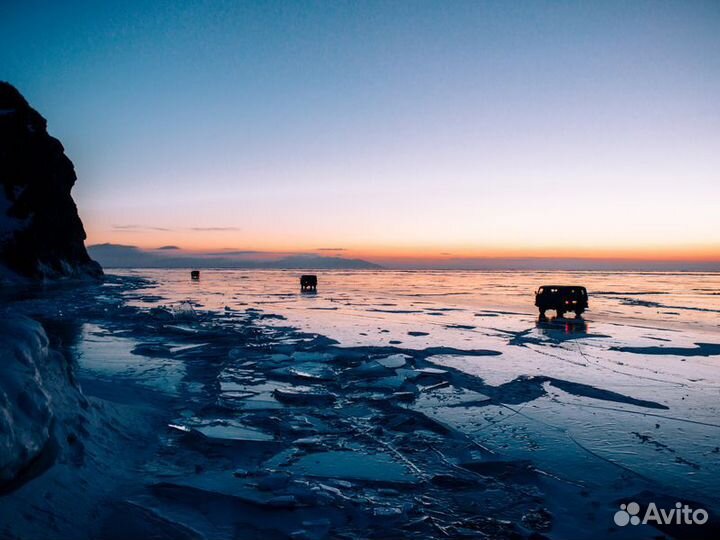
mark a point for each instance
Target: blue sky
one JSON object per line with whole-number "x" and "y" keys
{"x": 390, "y": 129}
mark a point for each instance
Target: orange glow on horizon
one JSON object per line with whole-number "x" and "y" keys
{"x": 221, "y": 241}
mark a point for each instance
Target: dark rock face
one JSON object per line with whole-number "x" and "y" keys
{"x": 41, "y": 235}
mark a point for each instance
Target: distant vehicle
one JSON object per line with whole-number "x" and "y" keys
{"x": 561, "y": 298}
{"x": 195, "y": 274}
{"x": 308, "y": 282}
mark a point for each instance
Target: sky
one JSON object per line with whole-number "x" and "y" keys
{"x": 389, "y": 131}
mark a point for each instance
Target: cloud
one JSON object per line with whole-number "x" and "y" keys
{"x": 145, "y": 228}
{"x": 235, "y": 252}
{"x": 330, "y": 249}
{"x": 138, "y": 228}
{"x": 166, "y": 248}
{"x": 214, "y": 228}
{"x": 108, "y": 245}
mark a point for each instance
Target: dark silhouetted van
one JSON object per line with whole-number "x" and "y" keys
{"x": 561, "y": 298}
{"x": 308, "y": 282}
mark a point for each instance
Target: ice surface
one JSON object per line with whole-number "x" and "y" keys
{"x": 393, "y": 361}
{"x": 304, "y": 395}
{"x": 307, "y": 370}
{"x": 353, "y": 466}
{"x": 390, "y": 404}
{"x": 232, "y": 431}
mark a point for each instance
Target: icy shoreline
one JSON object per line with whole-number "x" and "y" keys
{"x": 27, "y": 373}
{"x": 241, "y": 426}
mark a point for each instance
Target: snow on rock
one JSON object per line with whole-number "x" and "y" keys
{"x": 36, "y": 390}
{"x": 41, "y": 235}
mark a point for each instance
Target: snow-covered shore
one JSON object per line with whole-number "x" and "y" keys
{"x": 27, "y": 370}
{"x": 42, "y": 408}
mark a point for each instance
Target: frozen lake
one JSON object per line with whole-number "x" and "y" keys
{"x": 393, "y": 404}
{"x": 349, "y": 304}
{"x": 650, "y": 336}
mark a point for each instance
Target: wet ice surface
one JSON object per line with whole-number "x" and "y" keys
{"x": 408, "y": 404}
{"x": 639, "y": 341}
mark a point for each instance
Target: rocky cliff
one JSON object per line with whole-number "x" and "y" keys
{"x": 41, "y": 235}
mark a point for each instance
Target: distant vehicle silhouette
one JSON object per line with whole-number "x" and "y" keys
{"x": 561, "y": 298}
{"x": 195, "y": 274}
{"x": 308, "y": 282}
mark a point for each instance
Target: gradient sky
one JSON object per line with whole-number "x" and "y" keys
{"x": 390, "y": 129}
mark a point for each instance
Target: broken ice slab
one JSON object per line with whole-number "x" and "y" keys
{"x": 431, "y": 371}
{"x": 261, "y": 402}
{"x": 393, "y": 383}
{"x": 309, "y": 425}
{"x": 428, "y": 373}
{"x": 393, "y": 361}
{"x": 253, "y": 396}
{"x": 305, "y": 370}
{"x": 411, "y": 422}
{"x": 225, "y": 431}
{"x": 403, "y": 396}
{"x": 184, "y": 311}
{"x": 179, "y": 329}
{"x": 353, "y": 465}
{"x": 313, "y": 370}
{"x": 281, "y": 459}
{"x": 274, "y": 481}
{"x": 308, "y": 442}
{"x": 233, "y": 431}
{"x": 236, "y": 394}
{"x": 368, "y": 370}
{"x": 304, "y": 395}
{"x": 222, "y": 483}
{"x": 450, "y": 396}
{"x": 441, "y": 384}
{"x": 152, "y": 350}
{"x": 177, "y": 349}
{"x": 231, "y": 386}
{"x": 302, "y": 356}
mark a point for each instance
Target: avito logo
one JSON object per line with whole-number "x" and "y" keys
{"x": 682, "y": 514}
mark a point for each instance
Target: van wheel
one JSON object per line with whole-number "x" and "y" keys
{"x": 560, "y": 313}
{"x": 578, "y": 313}
{"x": 542, "y": 315}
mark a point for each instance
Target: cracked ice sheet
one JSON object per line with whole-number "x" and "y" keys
{"x": 107, "y": 355}
{"x": 600, "y": 439}
{"x": 595, "y": 440}
{"x": 353, "y": 465}
{"x": 493, "y": 310}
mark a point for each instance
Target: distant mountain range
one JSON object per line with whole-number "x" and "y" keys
{"x": 122, "y": 256}
{"x": 126, "y": 256}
